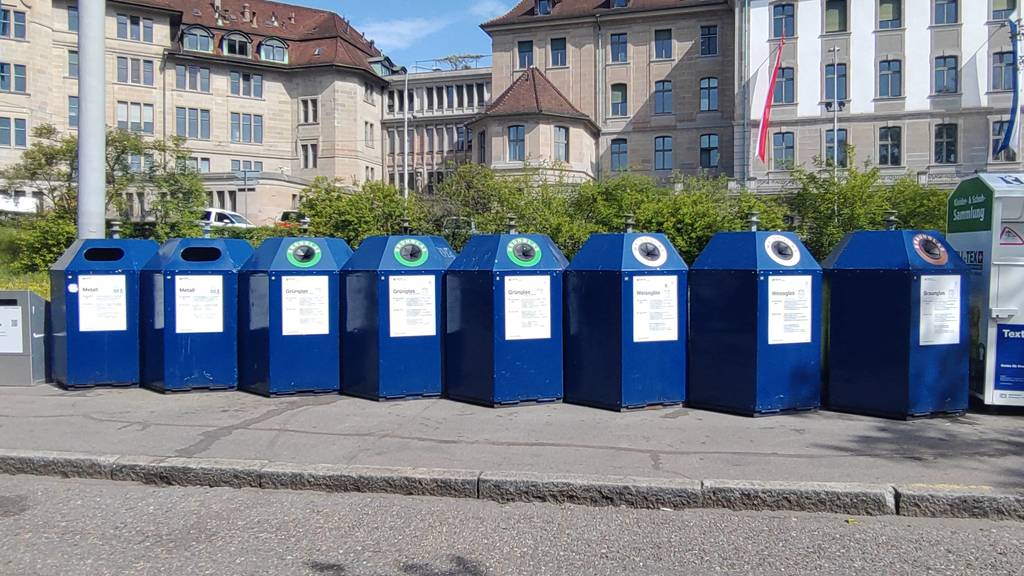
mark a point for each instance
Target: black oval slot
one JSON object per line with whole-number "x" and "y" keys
{"x": 931, "y": 249}
{"x": 524, "y": 252}
{"x": 649, "y": 251}
{"x": 782, "y": 250}
{"x": 411, "y": 252}
{"x": 103, "y": 254}
{"x": 304, "y": 253}
{"x": 200, "y": 254}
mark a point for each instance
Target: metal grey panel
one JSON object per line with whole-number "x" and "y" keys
{"x": 23, "y": 335}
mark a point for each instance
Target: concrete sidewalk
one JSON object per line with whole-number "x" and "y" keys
{"x": 549, "y": 440}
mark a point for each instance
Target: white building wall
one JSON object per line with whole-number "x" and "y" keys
{"x": 917, "y": 73}
{"x": 974, "y": 59}
{"x": 808, "y": 24}
{"x": 861, "y": 71}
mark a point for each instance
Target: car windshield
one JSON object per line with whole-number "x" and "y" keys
{"x": 239, "y": 219}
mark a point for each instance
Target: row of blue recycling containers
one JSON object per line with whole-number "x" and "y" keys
{"x": 626, "y": 325}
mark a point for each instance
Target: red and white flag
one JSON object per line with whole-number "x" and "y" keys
{"x": 766, "y": 115}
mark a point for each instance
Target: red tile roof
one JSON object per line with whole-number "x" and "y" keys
{"x": 526, "y": 10}
{"x": 303, "y": 29}
{"x": 533, "y": 93}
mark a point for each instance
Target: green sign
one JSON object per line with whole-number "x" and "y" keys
{"x": 411, "y": 252}
{"x": 304, "y": 254}
{"x": 970, "y": 207}
{"x": 523, "y": 252}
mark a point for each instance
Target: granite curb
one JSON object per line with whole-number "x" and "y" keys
{"x": 915, "y": 500}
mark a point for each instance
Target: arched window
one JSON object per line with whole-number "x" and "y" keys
{"x": 197, "y": 40}
{"x": 273, "y": 50}
{"x": 235, "y": 45}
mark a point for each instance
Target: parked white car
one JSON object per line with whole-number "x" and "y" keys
{"x": 218, "y": 218}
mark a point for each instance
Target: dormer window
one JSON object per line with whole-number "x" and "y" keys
{"x": 273, "y": 50}
{"x": 197, "y": 40}
{"x": 543, "y": 7}
{"x": 235, "y": 45}
{"x": 619, "y": 3}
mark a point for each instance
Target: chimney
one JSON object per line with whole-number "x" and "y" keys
{"x": 216, "y": 6}
{"x": 291, "y": 18}
{"x": 246, "y": 14}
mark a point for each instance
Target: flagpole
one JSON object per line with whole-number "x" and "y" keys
{"x": 1011, "y": 135}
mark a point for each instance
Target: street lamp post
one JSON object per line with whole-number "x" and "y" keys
{"x": 92, "y": 130}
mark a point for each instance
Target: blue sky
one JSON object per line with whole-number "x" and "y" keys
{"x": 411, "y": 30}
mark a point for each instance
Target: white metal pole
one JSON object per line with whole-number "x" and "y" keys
{"x": 92, "y": 136}
{"x": 405, "y": 138}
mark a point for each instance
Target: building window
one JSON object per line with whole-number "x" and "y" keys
{"x": 139, "y": 163}
{"x": 834, "y": 83}
{"x": 663, "y": 44}
{"x": 946, "y": 12}
{"x": 831, "y": 150}
{"x": 708, "y": 40}
{"x": 709, "y": 154}
{"x": 273, "y": 50}
{"x": 12, "y": 24}
{"x": 73, "y": 63}
{"x": 543, "y": 7}
{"x": 785, "y": 92}
{"x": 890, "y": 14}
{"x": 998, "y": 133}
{"x": 945, "y": 144}
{"x": 890, "y": 146}
{"x": 1003, "y": 9}
{"x": 561, "y": 143}
{"x": 460, "y": 138}
{"x": 246, "y": 166}
{"x": 783, "y": 21}
{"x": 135, "y": 117}
{"x": 72, "y": 18}
{"x": 450, "y": 97}
{"x": 198, "y": 40}
{"x": 620, "y": 48}
{"x": 194, "y": 78}
{"x": 245, "y": 84}
{"x": 368, "y": 93}
{"x": 246, "y": 128}
{"x": 368, "y": 135}
{"x": 480, "y": 94}
{"x": 525, "y": 51}
{"x": 12, "y": 77}
{"x": 135, "y": 71}
{"x": 783, "y": 151}
{"x": 835, "y": 16}
{"x": 235, "y": 45}
{"x": 192, "y": 123}
{"x": 516, "y": 143}
{"x": 481, "y": 150}
{"x": 663, "y": 97}
{"x": 708, "y": 94}
{"x": 134, "y": 28}
{"x": 620, "y": 155}
{"x": 310, "y": 110}
{"x": 946, "y": 75}
{"x": 72, "y": 111}
{"x": 558, "y": 53}
{"x": 195, "y": 164}
{"x": 663, "y": 153}
{"x": 13, "y": 131}
{"x": 1002, "y": 71}
{"x": 309, "y": 156}
{"x": 890, "y": 79}
{"x": 619, "y": 100}
{"x": 620, "y": 3}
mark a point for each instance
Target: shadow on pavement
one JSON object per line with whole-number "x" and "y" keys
{"x": 460, "y": 566}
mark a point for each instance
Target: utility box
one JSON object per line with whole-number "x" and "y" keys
{"x": 898, "y": 340}
{"x": 755, "y": 325}
{"x": 190, "y": 315}
{"x": 393, "y": 321}
{"x": 985, "y": 226}
{"x": 504, "y": 321}
{"x": 625, "y": 338}
{"x": 94, "y": 289}
{"x": 288, "y": 318}
{"x": 23, "y": 335}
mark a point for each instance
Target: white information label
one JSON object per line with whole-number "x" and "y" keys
{"x": 11, "y": 341}
{"x": 655, "y": 309}
{"x": 527, "y": 307}
{"x": 940, "y": 310}
{"x": 199, "y": 304}
{"x": 305, "y": 305}
{"x": 789, "y": 309}
{"x": 412, "y": 306}
{"x": 102, "y": 303}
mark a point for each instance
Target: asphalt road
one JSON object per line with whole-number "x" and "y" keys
{"x": 50, "y": 526}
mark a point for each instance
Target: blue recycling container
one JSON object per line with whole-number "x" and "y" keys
{"x": 503, "y": 343}
{"x": 95, "y": 312}
{"x": 625, "y": 316}
{"x": 755, "y": 325}
{"x": 190, "y": 315}
{"x": 899, "y": 341}
{"x": 393, "y": 322}
{"x": 288, "y": 318}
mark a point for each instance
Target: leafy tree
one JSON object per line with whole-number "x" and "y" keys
{"x": 375, "y": 209}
